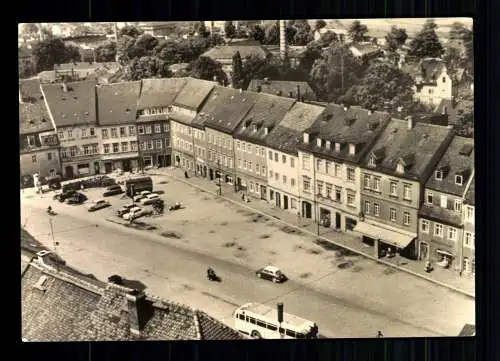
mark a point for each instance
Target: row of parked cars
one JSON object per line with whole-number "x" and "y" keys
{"x": 133, "y": 210}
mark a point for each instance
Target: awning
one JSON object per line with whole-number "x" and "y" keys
{"x": 387, "y": 236}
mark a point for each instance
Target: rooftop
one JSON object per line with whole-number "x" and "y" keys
{"x": 453, "y": 110}
{"x": 426, "y": 71}
{"x": 366, "y": 48}
{"x": 286, "y": 136}
{"x": 159, "y": 92}
{"x": 470, "y": 196}
{"x": 71, "y": 103}
{"x": 352, "y": 125}
{"x": 413, "y": 148}
{"x": 117, "y": 103}
{"x": 194, "y": 93}
{"x": 225, "y": 108}
{"x": 441, "y": 214}
{"x": 266, "y": 113}
{"x": 33, "y": 114}
{"x": 457, "y": 160}
{"x": 79, "y": 66}
{"x": 227, "y": 51}
{"x": 283, "y": 88}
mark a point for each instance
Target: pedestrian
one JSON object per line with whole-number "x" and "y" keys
{"x": 428, "y": 266}
{"x": 379, "y": 334}
{"x": 82, "y": 187}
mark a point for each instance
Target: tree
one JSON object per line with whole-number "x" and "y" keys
{"x": 80, "y": 30}
{"x": 357, "y": 31}
{"x": 229, "y": 29}
{"x": 462, "y": 38}
{"x": 29, "y": 28}
{"x": 383, "y": 87}
{"x": 129, "y": 30}
{"x": 327, "y": 39}
{"x": 105, "y": 52}
{"x": 201, "y": 29}
{"x": 335, "y": 72}
{"x": 303, "y": 36}
{"x": 426, "y": 43}
{"x": 308, "y": 57}
{"x": 257, "y": 33}
{"x": 237, "y": 76}
{"x": 53, "y": 51}
{"x": 290, "y": 32}
{"x": 124, "y": 47}
{"x": 395, "y": 38}
{"x": 207, "y": 69}
{"x": 272, "y": 34}
{"x": 143, "y": 46}
{"x": 72, "y": 53}
{"x": 147, "y": 67}
{"x": 181, "y": 51}
{"x": 320, "y": 24}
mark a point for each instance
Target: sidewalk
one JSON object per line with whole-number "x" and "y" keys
{"x": 445, "y": 278}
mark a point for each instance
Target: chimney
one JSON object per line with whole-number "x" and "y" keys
{"x": 138, "y": 309}
{"x": 283, "y": 44}
{"x": 298, "y": 93}
{"x": 411, "y": 122}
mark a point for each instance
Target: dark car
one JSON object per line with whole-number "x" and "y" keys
{"x": 112, "y": 190}
{"x": 106, "y": 182}
{"x": 271, "y": 273}
{"x": 61, "y": 197}
{"x": 77, "y": 198}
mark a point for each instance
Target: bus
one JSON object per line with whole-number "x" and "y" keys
{"x": 134, "y": 185}
{"x": 261, "y": 321}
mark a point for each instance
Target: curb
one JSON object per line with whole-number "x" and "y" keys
{"x": 439, "y": 283}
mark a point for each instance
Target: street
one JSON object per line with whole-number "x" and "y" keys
{"x": 344, "y": 303}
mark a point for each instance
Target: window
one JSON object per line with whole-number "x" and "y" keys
{"x": 104, "y": 133}
{"x": 376, "y": 184}
{"x": 230, "y": 162}
{"x": 159, "y": 144}
{"x": 407, "y": 192}
{"x": 249, "y": 148}
{"x": 33, "y": 158}
{"x": 350, "y": 199}
{"x": 328, "y": 166}
{"x": 86, "y": 149}
{"x": 350, "y": 175}
{"x": 469, "y": 240}
{"x": 276, "y": 176}
{"x": 239, "y": 163}
{"x": 270, "y": 155}
{"x": 92, "y": 132}
{"x": 293, "y": 203}
{"x": 61, "y": 135}
{"x": 72, "y": 151}
{"x": 283, "y": 159}
{"x": 95, "y": 148}
{"x": 275, "y": 156}
{"x": 400, "y": 168}
{"x": 438, "y": 230}
{"x": 106, "y": 148}
{"x": 459, "y": 180}
{"x": 224, "y": 159}
{"x": 431, "y": 91}
{"x": 352, "y": 149}
{"x": 329, "y": 190}
{"x": 458, "y": 205}
{"x": 338, "y": 194}
{"x": 284, "y": 179}
{"x": 444, "y": 201}
{"x": 114, "y": 133}
{"x": 439, "y": 175}
{"x": 452, "y": 234}
{"x": 338, "y": 170}
{"x": 367, "y": 207}
{"x": 366, "y": 181}
{"x": 49, "y": 156}
{"x": 292, "y": 182}
{"x": 166, "y": 127}
{"x": 238, "y": 144}
{"x": 257, "y": 168}
{"x": 143, "y": 145}
{"x": 70, "y": 133}
{"x": 406, "y": 218}
{"x": 444, "y": 79}
{"x": 319, "y": 165}
{"x": 306, "y": 162}
{"x": 371, "y": 162}
{"x": 123, "y": 132}
{"x": 148, "y": 129}
{"x": 116, "y": 147}
{"x": 429, "y": 199}
{"x": 424, "y": 226}
{"x": 271, "y": 174}
{"x": 306, "y": 184}
{"x": 392, "y": 214}
{"x": 292, "y": 162}
{"x": 140, "y": 129}
{"x": 394, "y": 189}
{"x": 319, "y": 188}
{"x": 376, "y": 209}
{"x": 245, "y": 162}
{"x": 84, "y": 132}
{"x": 251, "y": 190}
{"x": 263, "y": 170}
{"x": 150, "y": 144}
{"x": 133, "y": 146}
{"x": 157, "y": 128}
{"x": 469, "y": 213}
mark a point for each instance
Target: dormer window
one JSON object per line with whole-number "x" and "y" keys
{"x": 306, "y": 138}
{"x": 318, "y": 142}
{"x": 328, "y": 145}
{"x": 352, "y": 149}
{"x": 459, "y": 179}
{"x": 372, "y": 162}
{"x": 439, "y": 175}
{"x": 337, "y": 147}
{"x": 400, "y": 168}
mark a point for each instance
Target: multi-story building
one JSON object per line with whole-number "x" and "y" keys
{"x": 433, "y": 82}
{"x": 283, "y": 158}
{"x": 116, "y": 113}
{"x": 469, "y": 221}
{"x": 441, "y": 225}
{"x": 187, "y": 142}
{"x": 250, "y": 142}
{"x": 223, "y": 111}
{"x": 39, "y": 147}
{"x": 329, "y": 157}
{"x": 72, "y": 110}
{"x": 153, "y": 124}
{"x": 393, "y": 174}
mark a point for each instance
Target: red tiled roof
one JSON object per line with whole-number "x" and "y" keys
{"x": 117, "y": 103}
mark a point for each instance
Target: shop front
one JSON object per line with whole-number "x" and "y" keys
{"x": 124, "y": 162}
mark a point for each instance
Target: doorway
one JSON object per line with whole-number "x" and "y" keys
{"x": 168, "y": 160}
{"x": 97, "y": 169}
{"x": 306, "y": 210}
{"x": 211, "y": 173}
{"x": 338, "y": 220}
{"x": 262, "y": 192}
{"x": 204, "y": 171}
{"x": 285, "y": 202}
{"x": 423, "y": 253}
{"x": 126, "y": 165}
{"x": 161, "y": 161}
{"x": 108, "y": 167}
{"x": 278, "y": 200}
{"x": 68, "y": 171}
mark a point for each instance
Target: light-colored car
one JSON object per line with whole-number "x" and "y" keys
{"x": 150, "y": 199}
{"x": 98, "y": 204}
{"x": 145, "y": 193}
{"x": 125, "y": 209}
{"x": 271, "y": 273}
{"x": 137, "y": 212}
{"x": 138, "y": 197}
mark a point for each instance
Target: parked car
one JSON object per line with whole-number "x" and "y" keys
{"x": 271, "y": 273}
{"x": 150, "y": 199}
{"x": 137, "y": 212}
{"x": 138, "y": 197}
{"x": 124, "y": 209}
{"x": 77, "y": 198}
{"x": 145, "y": 193}
{"x": 61, "y": 197}
{"x": 99, "y": 204}
{"x": 112, "y": 190}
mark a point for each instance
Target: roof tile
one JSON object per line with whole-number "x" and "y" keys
{"x": 117, "y": 103}
{"x": 277, "y": 87}
{"x": 33, "y": 114}
{"x": 194, "y": 93}
{"x": 159, "y": 92}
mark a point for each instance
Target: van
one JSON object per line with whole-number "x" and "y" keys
{"x": 135, "y": 185}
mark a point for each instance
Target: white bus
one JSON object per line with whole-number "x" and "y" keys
{"x": 261, "y": 321}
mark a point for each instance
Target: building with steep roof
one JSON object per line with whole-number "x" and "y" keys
{"x": 153, "y": 121}
{"x": 250, "y": 142}
{"x": 329, "y": 157}
{"x": 441, "y": 214}
{"x": 72, "y": 110}
{"x": 117, "y": 134}
{"x": 282, "y": 157}
{"x": 39, "y": 147}
{"x": 393, "y": 174}
{"x": 365, "y": 51}
{"x": 61, "y": 304}
{"x": 299, "y": 90}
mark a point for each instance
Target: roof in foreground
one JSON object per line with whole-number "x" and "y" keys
{"x": 118, "y": 102}
{"x": 413, "y": 148}
{"x": 33, "y": 114}
{"x": 457, "y": 160}
{"x": 159, "y": 92}
{"x": 286, "y": 135}
{"x": 283, "y": 87}
{"x": 72, "y": 103}
{"x": 194, "y": 93}
{"x": 60, "y": 306}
